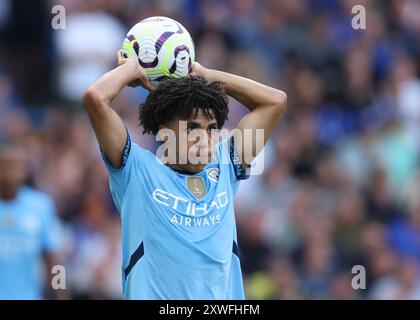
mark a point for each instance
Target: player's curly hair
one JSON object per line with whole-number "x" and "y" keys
{"x": 178, "y": 98}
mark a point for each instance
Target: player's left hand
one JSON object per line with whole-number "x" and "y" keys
{"x": 136, "y": 72}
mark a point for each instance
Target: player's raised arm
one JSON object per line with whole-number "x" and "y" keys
{"x": 266, "y": 104}
{"x": 109, "y": 128}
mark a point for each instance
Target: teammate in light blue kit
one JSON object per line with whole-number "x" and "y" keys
{"x": 178, "y": 222}
{"x": 28, "y": 231}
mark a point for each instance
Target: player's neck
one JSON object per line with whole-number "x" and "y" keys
{"x": 185, "y": 169}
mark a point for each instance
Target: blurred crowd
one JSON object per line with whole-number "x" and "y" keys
{"x": 341, "y": 180}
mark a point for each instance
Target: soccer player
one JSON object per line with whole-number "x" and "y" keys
{"x": 29, "y": 236}
{"x": 178, "y": 224}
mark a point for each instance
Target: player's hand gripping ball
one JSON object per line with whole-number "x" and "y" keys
{"x": 162, "y": 47}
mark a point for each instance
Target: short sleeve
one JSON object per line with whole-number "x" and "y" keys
{"x": 50, "y": 236}
{"x": 228, "y": 156}
{"x": 120, "y": 177}
{"x": 125, "y": 157}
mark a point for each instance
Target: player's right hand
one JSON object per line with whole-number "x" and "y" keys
{"x": 140, "y": 78}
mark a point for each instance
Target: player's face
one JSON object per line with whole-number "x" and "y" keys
{"x": 196, "y": 137}
{"x": 12, "y": 168}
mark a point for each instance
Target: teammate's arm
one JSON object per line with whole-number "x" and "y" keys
{"x": 109, "y": 129}
{"x": 266, "y": 104}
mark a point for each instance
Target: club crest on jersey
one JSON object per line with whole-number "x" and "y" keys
{"x": 196, "y": 187}
{"x": 213, "y": 174}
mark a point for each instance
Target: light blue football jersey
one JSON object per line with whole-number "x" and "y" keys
{"x": 178, "y": 230}
{"x": 28, "y": 227}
